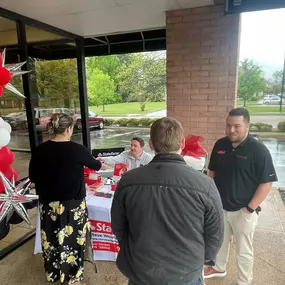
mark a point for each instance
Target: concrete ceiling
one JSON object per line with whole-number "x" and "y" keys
{"x": 100, "y": 17}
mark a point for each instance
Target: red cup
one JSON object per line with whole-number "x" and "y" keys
{"x": 114, "y": 187}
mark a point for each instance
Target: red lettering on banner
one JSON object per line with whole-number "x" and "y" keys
{"x": 101, "y": 227}
{"x": 103, "y": 238}
{"x": 106, "y": 246}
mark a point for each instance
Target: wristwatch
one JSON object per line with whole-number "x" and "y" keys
{"x": 250, "y": 209}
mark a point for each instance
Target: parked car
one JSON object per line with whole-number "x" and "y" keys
{"x": 271, "y": 100}
{"x": 42, "y": 117}
{"x": 94, "y": 121}
{"x": 16, "y": 120}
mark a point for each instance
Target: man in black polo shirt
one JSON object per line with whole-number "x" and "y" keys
{"x": 243, "y": 171}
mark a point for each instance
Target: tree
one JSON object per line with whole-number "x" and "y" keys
{"x": 144, "y": 77}
{"x": 110, "y": 65}
{"x": 57, "y": 79}
{"x": 277, "y": 82}
{"x": 10, "y": 99}
{"x": 100, "y": 89}
{"x": 251, "y": 80}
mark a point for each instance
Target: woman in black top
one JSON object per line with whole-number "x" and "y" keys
{"x": 56, "y": 168}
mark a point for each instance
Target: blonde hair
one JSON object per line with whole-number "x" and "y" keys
{"x": 59, "y": 122}
{"x": 166, "y": 135}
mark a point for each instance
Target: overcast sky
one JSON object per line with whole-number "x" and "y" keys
{"x": 263, "y": 37}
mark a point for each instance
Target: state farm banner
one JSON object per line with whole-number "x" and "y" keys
{"x": 103, "y": 240}
{"x": 104, "y": 243}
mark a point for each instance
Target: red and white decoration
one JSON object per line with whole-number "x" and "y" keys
{"x": 194, "y": 153}
{"x": 7, "y": 72}
{"x": 6, "y": 155}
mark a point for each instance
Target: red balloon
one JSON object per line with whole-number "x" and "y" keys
{"x": 9, "y": 172}
{"x": 1, "y": 90}
{"x": 5, "y": 76}
{"x": 7, "y": 157}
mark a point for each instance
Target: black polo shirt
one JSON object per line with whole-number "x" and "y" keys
{"x": 240, "y": 170}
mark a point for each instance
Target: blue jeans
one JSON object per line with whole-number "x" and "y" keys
{"x": 198, "y": 282}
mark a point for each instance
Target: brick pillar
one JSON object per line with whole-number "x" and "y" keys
{"x": 202, "y": 61}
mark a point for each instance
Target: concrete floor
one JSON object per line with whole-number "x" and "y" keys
{"x": 22, "y": 267}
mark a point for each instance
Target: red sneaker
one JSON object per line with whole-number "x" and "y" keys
{"x": 210, "y": 272}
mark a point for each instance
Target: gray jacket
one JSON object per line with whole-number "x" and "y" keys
{"x": 126, "y": 158}
{"x": 168, "y": 219}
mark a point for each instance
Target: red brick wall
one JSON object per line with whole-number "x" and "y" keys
{"x": 202, "y": 61}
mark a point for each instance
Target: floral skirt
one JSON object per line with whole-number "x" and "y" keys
{"x": 64, "y": 226}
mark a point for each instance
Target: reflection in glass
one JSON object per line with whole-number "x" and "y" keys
{"x": 37, "y": 35}
{"x": 8, "y": 33}
{"x": 57, "y": 89}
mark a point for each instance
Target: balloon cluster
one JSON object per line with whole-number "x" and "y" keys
{"x": 193, "y": 146}
{"x": 6, "y": 159}
{"x": 7, "y": 72}
{"x": 6, "y": 155}
{"x": 5, "y": 76}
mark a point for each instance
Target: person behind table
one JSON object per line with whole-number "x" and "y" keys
{"x": 167, "y": 217}
{"x": 56, "y": 168}
{"x": 135, "y": 157}
{"x": 243, "y": 170}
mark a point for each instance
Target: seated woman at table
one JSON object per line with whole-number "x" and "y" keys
{"x": 135, "y": 157}
{"x": 56, "y": 168}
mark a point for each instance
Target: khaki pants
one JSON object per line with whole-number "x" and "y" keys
{"x": 241, "y": 226}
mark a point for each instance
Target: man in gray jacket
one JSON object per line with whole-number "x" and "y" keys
{"x": 167, "y": 217}
{"x": 135, "y": 157}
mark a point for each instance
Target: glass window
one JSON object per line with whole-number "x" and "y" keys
{"x": 68, "y": 112}
{"x": 57, "y": 89}
{"x": 54, "y": 87}
{"x": 37, "y": 35}
{"x": 8, "y": 33}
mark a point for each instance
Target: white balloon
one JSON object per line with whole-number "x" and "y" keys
{"x": 1, "y": 122}
{"x": 5, "y": 137}
{"x": 7, "y": 126}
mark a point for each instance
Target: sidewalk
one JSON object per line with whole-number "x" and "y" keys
{"x": 269, "y": 247}
{"x": 22, "y": 267}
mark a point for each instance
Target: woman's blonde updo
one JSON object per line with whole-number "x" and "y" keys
{"x": 59, "y": 122}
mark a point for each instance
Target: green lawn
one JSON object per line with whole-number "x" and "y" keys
{"x": 124, "y": 109}
{"x": 273, "y": 134}
{"x": 240, "y": 102}
{"x": 4, "y": 111}
{"x": 265, "y": 110}
{"x": 261, "y": 109}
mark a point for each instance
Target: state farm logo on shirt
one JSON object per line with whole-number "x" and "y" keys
{"x": 221, "y": 152}
{"x": 101, "y": 227}
{"x": 241, "y": 157}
